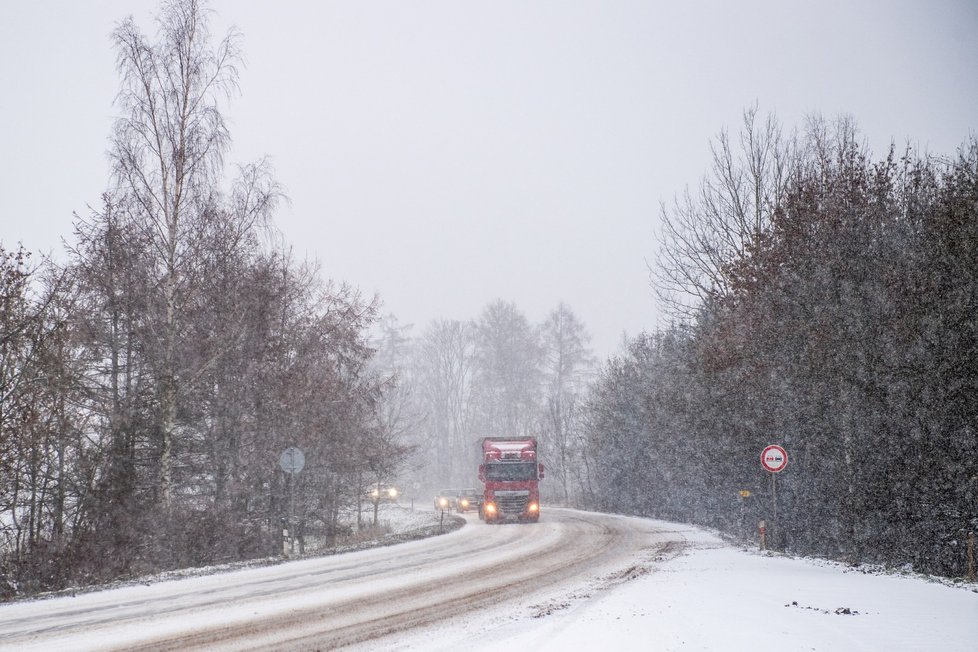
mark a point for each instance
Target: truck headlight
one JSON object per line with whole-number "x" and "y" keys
{"x": 534, "y": 507}
{"x": 490, "y": 508}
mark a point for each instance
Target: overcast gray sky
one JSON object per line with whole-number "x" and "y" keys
{"x": 445, "y": 154}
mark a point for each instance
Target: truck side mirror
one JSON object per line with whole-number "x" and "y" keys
{"x": 482, "y": 472}
{"x": 541, "y": 470}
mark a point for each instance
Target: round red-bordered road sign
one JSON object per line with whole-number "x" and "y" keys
{"x": 774, "y": 458}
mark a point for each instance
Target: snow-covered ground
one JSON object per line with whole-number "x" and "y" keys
{"x": 720, "y": 597}
{"x": 682, "y": 589}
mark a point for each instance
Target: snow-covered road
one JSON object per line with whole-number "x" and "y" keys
{"x": 574, "y": 581}
{"x": 346, "y": 599}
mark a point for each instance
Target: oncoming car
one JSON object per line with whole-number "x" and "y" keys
{"x": 468, "y": 500}
{"x": 382, "y": 493}
{"x": 445, "y": 500}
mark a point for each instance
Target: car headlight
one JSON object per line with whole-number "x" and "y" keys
{"x": 392, "y": 492}
{"x": 465, "y": 503}
{"x": 443, "y": 502}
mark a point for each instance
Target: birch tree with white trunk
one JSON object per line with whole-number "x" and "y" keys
{"x": 168, "y": 150}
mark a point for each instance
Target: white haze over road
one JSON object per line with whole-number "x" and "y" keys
{"x": 574, "y": 581}
{"x": 446, "y": 154}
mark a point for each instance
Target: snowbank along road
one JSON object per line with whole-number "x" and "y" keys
{"x": 363, "y": 599}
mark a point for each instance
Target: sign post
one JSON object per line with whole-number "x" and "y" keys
{"x": 971, "y": 556}
{"x": 292, "y": 461}
{"x": 744, "y": 495}
{"x": 774, "y": 458}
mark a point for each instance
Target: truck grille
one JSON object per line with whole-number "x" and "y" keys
{"x": 512, "y": 502}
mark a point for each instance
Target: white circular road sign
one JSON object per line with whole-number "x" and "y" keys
{"x": 292, "y": 460}
{"x": 774, "y": 458}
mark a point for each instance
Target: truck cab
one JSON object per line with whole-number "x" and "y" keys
{"x": 510, "y": 474}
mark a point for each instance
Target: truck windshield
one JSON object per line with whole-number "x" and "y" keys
{"x": 511, "y": 471}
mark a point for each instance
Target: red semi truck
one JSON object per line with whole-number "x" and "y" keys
{"x": 510, "y": 473}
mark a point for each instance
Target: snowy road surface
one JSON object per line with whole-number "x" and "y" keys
{"x": 574, "y": 581}
{"x": 334, "y": 601}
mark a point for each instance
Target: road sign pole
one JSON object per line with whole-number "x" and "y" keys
{"x": 774, "y": 458}
{"x": 292, "y": 461}
{"x": 971, "y": 556}
{"x": 292, "y": 514}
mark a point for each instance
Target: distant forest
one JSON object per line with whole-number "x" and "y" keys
{"x": 820, "y": 300}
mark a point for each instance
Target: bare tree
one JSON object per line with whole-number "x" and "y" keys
{"x": 725, "y": 218}
{"x": 398, "y": 407}
{"x": 506, "y": 378}
{"x": 566, "y": 364}
{"x": 168, "y": 154}
{"x": 443, "y": 368}
{"x": 36, "y": 415}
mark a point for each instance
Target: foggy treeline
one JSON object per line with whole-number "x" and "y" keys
{"x": 495, "y": 375}
{"x": 827, "y": 302}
